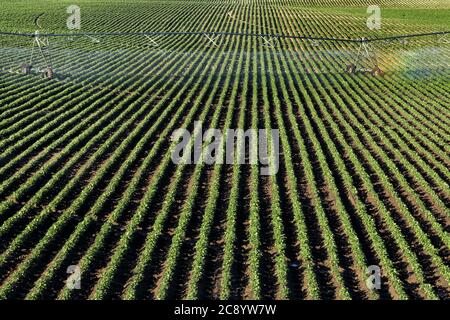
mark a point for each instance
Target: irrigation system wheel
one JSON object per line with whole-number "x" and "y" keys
{"x": 351, "y": 68}
{"x": 377, "y": 72}
{"x": 25, "y": 68}
{"x": 48, "y": 73}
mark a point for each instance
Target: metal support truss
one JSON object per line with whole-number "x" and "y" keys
{"x": 404, "y": 42}
{"x": 315, "y": 43}
{"x": 152, "y": 41}
{"x": 443, "y": 38}
{"x": 42, "y": 45}
{"x": 365, "y": 53}
{"x": 93, "y": 39}
{"x": 212, "y": 40}
{"x": 268, "y": 41}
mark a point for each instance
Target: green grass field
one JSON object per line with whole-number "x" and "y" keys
{"x": 87, "y": 180}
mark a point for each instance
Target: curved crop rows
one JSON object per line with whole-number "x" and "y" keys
{"x": 87, "y": 177}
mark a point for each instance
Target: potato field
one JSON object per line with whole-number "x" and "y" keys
{"x": 88, "y": 183}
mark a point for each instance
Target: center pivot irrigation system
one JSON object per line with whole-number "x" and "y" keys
{"x": 365, "y": 52}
